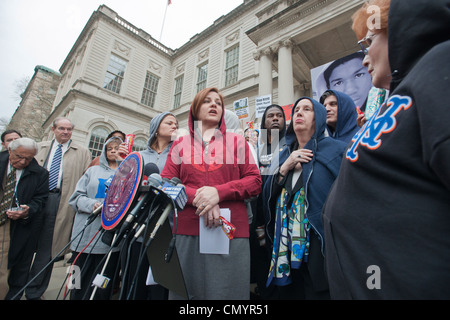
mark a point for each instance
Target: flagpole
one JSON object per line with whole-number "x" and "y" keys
{"x": 164, "y": 20}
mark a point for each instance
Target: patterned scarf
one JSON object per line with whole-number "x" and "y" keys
{"x": 291, "y": 244}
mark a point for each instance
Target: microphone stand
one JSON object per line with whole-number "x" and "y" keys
{"x": 160, "y": 221}
{"x": 88, "y": 222}
{"x": 104, "y": 267}
{"x": 133, "y": 240}
{"x": 118, "y": 237}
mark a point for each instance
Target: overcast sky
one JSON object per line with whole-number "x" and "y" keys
{"x": 42, "y": 32}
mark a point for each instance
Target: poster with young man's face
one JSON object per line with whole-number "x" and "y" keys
{"x": 346, "y": 75}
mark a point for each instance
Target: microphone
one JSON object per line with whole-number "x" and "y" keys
{"x": 149, "y": 169}
{"x": 154, "y": 179}
{"x": 93, "y": 215}
{"x": 176, "y": 181}
{"x": 166, "y": 180}
{"x": 177, "y": 196}
{"x": 176, "y": 190}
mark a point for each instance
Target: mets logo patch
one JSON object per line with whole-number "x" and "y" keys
{"x": 370, "y": 135}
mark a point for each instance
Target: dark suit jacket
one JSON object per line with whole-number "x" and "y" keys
{"x": 32, "y": 190}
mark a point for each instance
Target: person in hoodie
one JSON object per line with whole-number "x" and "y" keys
{"x": 271, "y": 142}
{"x": 87, "y": 247}
{"x": 386, "y": 219}
{"x": 218, "y": 171}
{"x": 163, "y": 131}
{"x": 293, "y": 197}
{"x": 341, "y": 115}
{"x": 273, "y": 129}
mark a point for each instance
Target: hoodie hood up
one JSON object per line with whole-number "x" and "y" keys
{"x": 103, "y": 161}
{"x": 320, "y": 119}
{"x": 415, "y": 27}
{"x": 346, "y": 126}
{"x": 264, "y": 153}
{"x": 263, "y": 120}
{"x": 222, "y": 126}
{"x": 154, "y": 125}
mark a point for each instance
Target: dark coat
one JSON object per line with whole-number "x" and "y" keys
{"x": 386, "y": 220}
{"x": 318, "y": 176}
{"x": 32, "y": 190}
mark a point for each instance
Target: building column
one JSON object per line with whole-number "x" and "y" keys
{"x": 265, "y": 71}
{"x": 285, "y": 73}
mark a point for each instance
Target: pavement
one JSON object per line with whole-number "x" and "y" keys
{"x": 57, "y": 281}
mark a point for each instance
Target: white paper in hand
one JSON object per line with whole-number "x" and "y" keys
{"x": 214, "y": 240}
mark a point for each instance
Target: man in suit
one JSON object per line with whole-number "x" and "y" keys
{"x": 8, "y": 136}
{"x": 71, "y": 161}
{"x": 23, "y": 193}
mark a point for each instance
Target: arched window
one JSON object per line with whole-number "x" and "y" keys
{"x": 97, "y": 140}
{"x": 139, "y": 144}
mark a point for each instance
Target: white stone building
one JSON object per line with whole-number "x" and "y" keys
{"x": 117, "y": 76}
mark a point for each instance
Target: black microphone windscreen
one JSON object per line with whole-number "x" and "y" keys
{"x": 150, "y": 168}
{"x": 176, "y": 181}
{"x": 155, "y": 180}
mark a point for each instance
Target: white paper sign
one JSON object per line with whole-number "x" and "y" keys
{"x": 261, "y": 103}
{"x": 214, "y": 240}
{"x": 241, "y": 108}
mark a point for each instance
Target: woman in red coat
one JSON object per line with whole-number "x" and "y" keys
{"x": 219, "y": 172}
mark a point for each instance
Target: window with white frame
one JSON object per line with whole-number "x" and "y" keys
{"x": 231, "y": 66}
{"x": 202, "y": 76}
{"x": 150, "y": 90}
{"x": 178, "y": 90}
{"x": 97, "y": 140}
{"x": 139, "y": 145}
{"x": 115, "y": 73}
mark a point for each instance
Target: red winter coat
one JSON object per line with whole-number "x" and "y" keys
{"x": 228, "y": 166}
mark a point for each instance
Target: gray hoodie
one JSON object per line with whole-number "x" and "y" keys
{"x": 150, "y": 155}
{"x": 91, "y": 189}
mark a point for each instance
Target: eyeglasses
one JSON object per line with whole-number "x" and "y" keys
{"x": 366, "y": 42}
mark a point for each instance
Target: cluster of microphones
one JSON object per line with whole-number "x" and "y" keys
{"x": 155, "y": 198}
{"x": 166, "y": 195}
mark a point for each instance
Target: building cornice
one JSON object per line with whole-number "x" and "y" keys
{"x": 297, "y": 10}
{"x": 137, "y": 33}
{"x": 110, "y": 16}
{"x": 218, "y": 24}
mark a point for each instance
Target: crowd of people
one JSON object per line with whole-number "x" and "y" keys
{"x": 338, "y": 203}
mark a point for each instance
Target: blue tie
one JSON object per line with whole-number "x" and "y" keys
{"x": 54, "y": 169}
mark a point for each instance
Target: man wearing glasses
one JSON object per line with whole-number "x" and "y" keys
{"x": 66, "y": 162}
{"x": 23, "y": 193}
